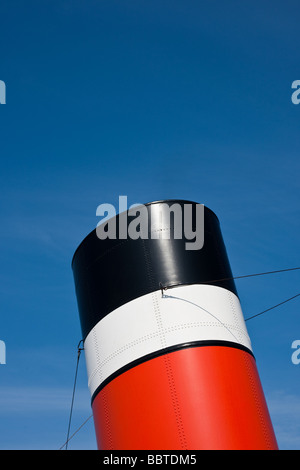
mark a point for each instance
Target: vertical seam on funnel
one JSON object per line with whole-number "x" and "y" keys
{"x": 168, "y": 367}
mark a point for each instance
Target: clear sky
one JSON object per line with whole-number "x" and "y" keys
{"x": 150, "y": 99}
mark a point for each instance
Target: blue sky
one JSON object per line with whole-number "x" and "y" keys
{"x": 153, "y": 100}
